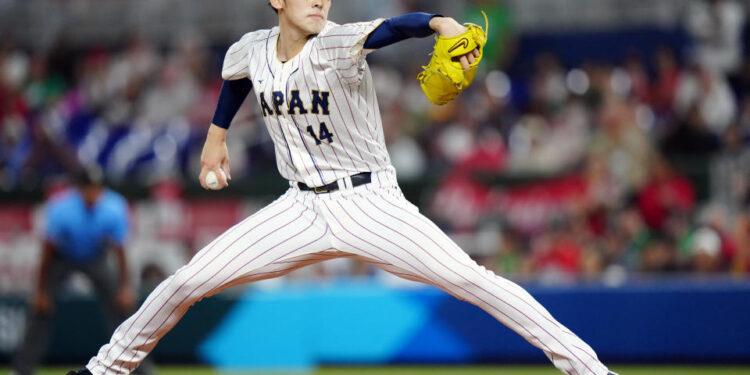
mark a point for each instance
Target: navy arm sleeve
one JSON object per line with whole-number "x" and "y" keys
{"x": 396, "y": 29}
{"x": 233, "y": 93}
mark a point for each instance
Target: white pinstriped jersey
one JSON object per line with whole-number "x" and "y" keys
{"x": 319, "y": 107}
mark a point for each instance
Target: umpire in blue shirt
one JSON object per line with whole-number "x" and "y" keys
{"x": 82, "y": 226}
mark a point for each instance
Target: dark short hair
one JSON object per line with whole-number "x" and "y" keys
{"x": 88, "y": 176}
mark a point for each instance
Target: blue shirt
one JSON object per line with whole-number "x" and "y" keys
{"x": 82, "y": 234}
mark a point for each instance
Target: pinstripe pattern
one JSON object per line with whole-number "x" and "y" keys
{"x": 430, "y": 232}
{"x": 332, "y": 62}
{"x": 388, "y": 228}
{"x": 247, "y": 252}
{"x": 373, "y": 222}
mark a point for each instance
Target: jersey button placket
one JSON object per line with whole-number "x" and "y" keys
{"x": 277, "y": 72}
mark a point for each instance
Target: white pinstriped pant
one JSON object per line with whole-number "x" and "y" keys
{"x": 372, "y": 222}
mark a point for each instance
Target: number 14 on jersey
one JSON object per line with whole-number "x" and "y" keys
{"x": 323, "y": 134}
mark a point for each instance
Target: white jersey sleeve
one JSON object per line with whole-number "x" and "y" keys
{"x": 343, "y": 45}
{"x": 237, "y": 59}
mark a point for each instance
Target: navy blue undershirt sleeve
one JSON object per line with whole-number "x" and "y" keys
{"x": 396, "y": 29}
{"x": 392, "y": 30}
{"x": 233, "y": 93}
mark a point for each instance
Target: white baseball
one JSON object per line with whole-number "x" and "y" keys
{"x": 212, "y": 181}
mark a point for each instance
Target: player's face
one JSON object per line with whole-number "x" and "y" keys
{"x": 91, "y": 194}
{"x": 310, "y": 16}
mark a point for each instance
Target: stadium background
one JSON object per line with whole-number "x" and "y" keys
{"x": 602, "y": 159}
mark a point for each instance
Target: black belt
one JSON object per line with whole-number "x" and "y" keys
{"x": 357, "y": 180}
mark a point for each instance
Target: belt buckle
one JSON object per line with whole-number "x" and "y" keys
{"x": 318, "y": 190}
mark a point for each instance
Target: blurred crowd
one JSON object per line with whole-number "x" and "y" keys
{"x": 591, "y": 169}
{"x": 607, "y": 168}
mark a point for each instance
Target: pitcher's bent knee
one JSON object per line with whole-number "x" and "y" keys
{"x": 463, "y": 283}
{"x": 185, "y": 285}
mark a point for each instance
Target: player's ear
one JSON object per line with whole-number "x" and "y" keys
{"x": 276, "y": 5}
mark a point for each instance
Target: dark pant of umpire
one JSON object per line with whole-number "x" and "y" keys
{"x": 39, "y": 325}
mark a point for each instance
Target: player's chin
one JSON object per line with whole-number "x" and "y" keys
{"x": 315, "y": 27}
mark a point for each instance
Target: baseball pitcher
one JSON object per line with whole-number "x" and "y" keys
{"x": 317, "y": 98}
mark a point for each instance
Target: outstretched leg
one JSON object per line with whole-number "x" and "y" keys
{"x": 270, "y": 243}
{"x": 380, "y": 224}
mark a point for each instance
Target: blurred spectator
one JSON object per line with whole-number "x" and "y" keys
{"x": 666, "y": 193}
{"x": 638, "y": 76}
{"x": 659, "y": 256}
{"x": 548, "y": 90}
{"x": 556, "y": 255}
{"x": 709, "y": 91}
{"x": 690, "y": 135}
{"x": 565, "y": 251}
{"x": 630, "y": 236}
{"x": 14, "y": 141}
{"x": 48, "y": 152}
{"x": 709, "y": 250}
{"x": 664, "y": 86}
{"x": 706, "y": 251}
{"x": 730, "y": 173}
{"x": 136, "y": 65}
{"x": 550, "y": 143}
{"x": 510, "y": 257}
{"x": 716, "y": 28}
{"x": 716, "y": 217}
{"x": 741, "y": 263}
{"x": 625, "y": 147}
{"x": 744, "y": 120}
{"x": 603, "y": 194}
{"x": 678, "y": 230}
{"x": 42, "y": 87}
{"x": 14, "y": 66}
{"x": 171, "y": 98}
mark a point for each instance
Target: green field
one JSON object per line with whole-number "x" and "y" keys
{"x": 450, "y": 370}
{"x": 531, "y": 370}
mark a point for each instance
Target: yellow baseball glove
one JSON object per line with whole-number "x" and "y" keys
{"x": 444, "y": 77}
